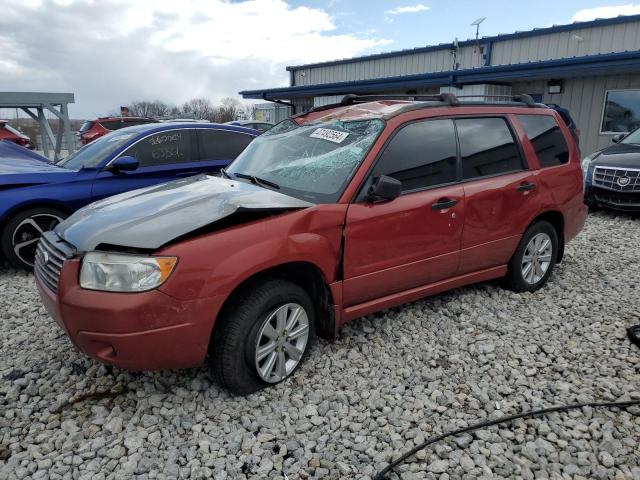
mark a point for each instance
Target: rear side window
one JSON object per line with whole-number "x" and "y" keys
{"x": 222, "y": 144}
{"x": 162, "y": 148}
{"x": 487, "y": 147}
{"x": 113, "y": 124}
{"x": 86, "y": 126}
{"x": 546, "y": 138}
{"x": 421, "y": 155}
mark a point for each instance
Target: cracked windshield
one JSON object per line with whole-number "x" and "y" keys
{"x": 312, "y": 162}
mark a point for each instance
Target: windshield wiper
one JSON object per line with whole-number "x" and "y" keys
{"x": 257, "y": 181}
{"x": 224, "y": 172}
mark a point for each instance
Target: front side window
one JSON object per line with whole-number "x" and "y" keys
{"x": 621, "y": 112}
{"x": 162, "y": 148}
{"x": 222, "y": 144}
{"x": 421, "y": 155}
{"x": 487, "y": 147}
{"x": 94, "y": 153}
{"x": 313, "y": 162}
{"x": 547, "y": 139}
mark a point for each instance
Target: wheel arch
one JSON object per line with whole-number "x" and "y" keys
{"x": 556, "y": 219}
{"x": 305, "y": 274}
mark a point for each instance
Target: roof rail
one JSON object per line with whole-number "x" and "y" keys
{"x": 524, "y": 98}
{"x": 448, "y": 98}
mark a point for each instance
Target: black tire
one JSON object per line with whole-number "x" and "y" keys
{"x": 16, "y": 231}
{"x": 236, "y": 332}
{"x": 515, "y": 279}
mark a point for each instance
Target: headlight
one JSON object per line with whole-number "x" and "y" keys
{"x": 116, "y": 272}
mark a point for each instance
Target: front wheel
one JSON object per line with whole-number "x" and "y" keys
{"x": 534, "y": 259}
{"x": 21, "y": 234}
{"x": 263, "y": 336}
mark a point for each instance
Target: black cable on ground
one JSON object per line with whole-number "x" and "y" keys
{"x": 381, "y": 475}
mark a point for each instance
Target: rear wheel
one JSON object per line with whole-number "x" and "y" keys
{"x": 534, "y": 259}
{"x": 21, "y": 234}
{"x": 263, "y": 336}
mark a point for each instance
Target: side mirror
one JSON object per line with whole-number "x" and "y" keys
{"x": 384, "y": 188}
{"x": 617, "y": 138}
{"x": 125, "y": 163}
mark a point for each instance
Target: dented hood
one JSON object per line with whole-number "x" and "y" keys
{"x": 152, "y": 217}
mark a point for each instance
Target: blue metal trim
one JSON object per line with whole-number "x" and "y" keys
{"x": 588, "y": 65}
{"x": 601, "y": 22}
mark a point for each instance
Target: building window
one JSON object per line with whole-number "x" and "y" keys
{"x": 621, "y": 112}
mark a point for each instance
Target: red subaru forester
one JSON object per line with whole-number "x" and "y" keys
{"x": 329, "y": 216}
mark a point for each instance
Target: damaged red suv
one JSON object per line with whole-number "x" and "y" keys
{"x": 329, "y": 216}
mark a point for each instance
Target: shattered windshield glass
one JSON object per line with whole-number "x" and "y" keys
{"x": 313, "y": 162}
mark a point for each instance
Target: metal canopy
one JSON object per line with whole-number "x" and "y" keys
{"x": 56, "y": 103}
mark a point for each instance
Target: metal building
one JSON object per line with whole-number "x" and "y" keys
{"x": 591, "y": 68}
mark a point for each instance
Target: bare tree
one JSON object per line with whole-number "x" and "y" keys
{"x": 200, "y": 108}
{"x": 155, "y": 108}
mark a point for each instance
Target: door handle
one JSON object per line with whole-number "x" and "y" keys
{"x": 186, "y": 174}
{"x": 443, "y": 203}
{"x": 525, "y": 186}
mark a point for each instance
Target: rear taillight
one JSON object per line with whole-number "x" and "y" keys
{"x": 23, "y": 142}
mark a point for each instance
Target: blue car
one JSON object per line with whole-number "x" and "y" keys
{"x": 35, "y": 195}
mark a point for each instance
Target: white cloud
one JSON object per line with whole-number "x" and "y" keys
{"x": 112, "y": 52}
{"x": 408, "y": 9}
{"x": 605, "y": 12}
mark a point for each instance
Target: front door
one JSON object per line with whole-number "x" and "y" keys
{"x": 413, "y": 240}
{"x": 163, "y": 156}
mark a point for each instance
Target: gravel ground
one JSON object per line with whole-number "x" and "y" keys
{"x": 389, "y": 381}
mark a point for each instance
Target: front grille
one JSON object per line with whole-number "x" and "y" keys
{"x": 617, "y": 198}
{"x": 49, "y": 260}
{"x": 617, "y": 179}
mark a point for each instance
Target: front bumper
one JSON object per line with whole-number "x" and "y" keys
{"x": 623, "y": 201}
{"x": 138, "y": 331}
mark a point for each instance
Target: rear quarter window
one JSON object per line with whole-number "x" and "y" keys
{"x": 547, "y": 139}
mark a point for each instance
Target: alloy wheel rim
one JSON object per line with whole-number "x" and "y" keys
{"x": 26, "y": 235}
{"x": 281, "y": 342}
{"x": 537, "y": 258}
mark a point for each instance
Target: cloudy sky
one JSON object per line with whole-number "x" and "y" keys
{"x": 110, "y": 52}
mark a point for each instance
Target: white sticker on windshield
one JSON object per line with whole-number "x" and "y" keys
{"x": 335, "y": 136}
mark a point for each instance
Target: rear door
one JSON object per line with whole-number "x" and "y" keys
{"x": 163, "y": 156}
{"x": 415, "y": 239}
{"x": 218, "y": 148}
{"x": 500, "y": 192}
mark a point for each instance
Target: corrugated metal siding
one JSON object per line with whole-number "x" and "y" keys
{"x": 407, "y": 64}
{"x": 584, "y": 97}
{"x": 594, "y": 40}
{"x": 603, "y": 39}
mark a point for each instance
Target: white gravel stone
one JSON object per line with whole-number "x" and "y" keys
{"x": 389, "y": 382}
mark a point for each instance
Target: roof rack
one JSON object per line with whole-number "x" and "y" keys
{"x": 524, "y": 98}
{"x": 446, "y": 98}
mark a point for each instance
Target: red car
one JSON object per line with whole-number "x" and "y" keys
{"x": 7, "y": 132}
{"x": 328, "y": 216}
{"x": 92, "y": 129}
